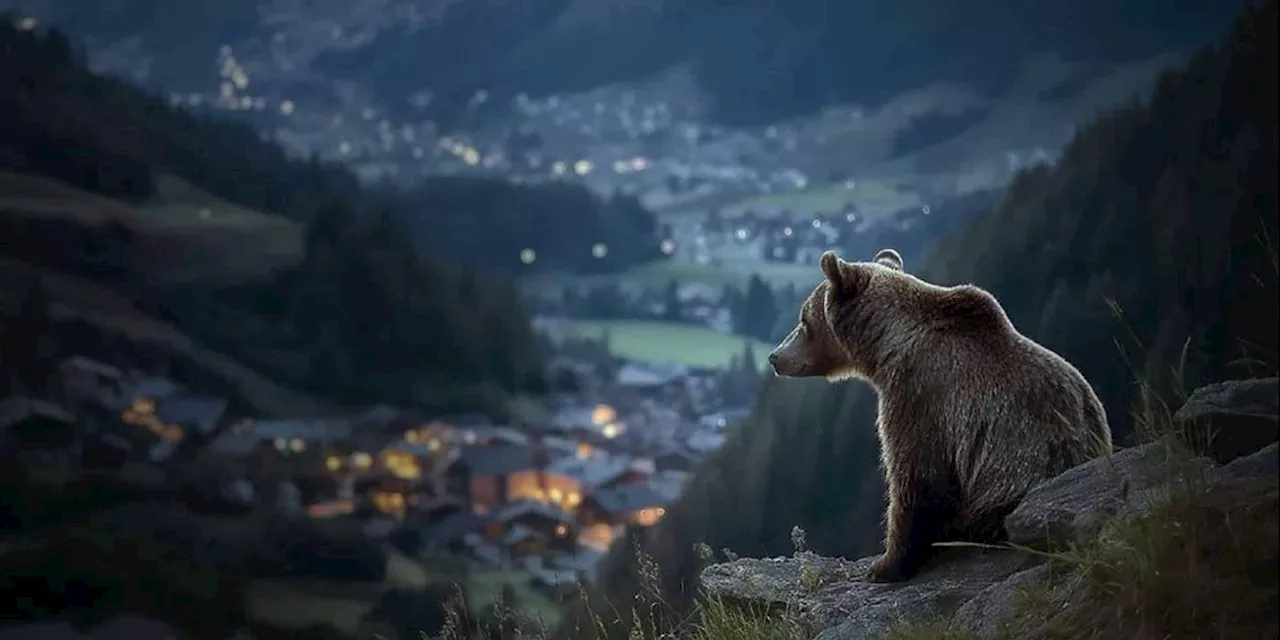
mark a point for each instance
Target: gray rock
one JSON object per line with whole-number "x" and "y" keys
{"x": 1261, "y": 465}
{"x": 1242, "y": 415}
{"x": 837, "y": 600}
{"x": 1258, "y": 397}
{"x": 990, "y": 609}
{"x": 1079, "y": 501}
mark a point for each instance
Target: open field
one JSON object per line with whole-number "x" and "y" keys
{"x": 182, "y": 234}
{"x": 659, "y": 273}
{"x": 486, "y": 585}
{"x": 300, "y": 602}
{"x": 665, "y": 342}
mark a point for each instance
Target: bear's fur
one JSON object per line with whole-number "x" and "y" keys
{"x": 972, "y": 414}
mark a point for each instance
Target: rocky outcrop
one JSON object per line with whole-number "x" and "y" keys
{"x": 1242, "y": 415}
{"x": 976, "y": 588}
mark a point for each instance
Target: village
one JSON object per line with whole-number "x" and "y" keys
{"x": 544, "y": 499}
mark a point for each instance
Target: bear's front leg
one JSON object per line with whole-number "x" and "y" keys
{"x": 917, "y": 512}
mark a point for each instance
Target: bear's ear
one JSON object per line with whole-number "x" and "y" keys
{"x": 831, "y": 269}
{"x": 889, "y": 258}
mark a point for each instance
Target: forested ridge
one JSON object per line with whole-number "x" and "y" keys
{"x": 365, "y": 315}
{"x": 1147, "y": 252}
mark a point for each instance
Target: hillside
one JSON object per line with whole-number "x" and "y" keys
{"x": 172, "y": 220}
{"x": 1166, "y": 208}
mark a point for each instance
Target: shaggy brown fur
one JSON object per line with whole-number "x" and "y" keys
{"x": 972, "y": 414}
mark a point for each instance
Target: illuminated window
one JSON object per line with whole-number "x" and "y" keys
{"x": 411, "y": 435}
{"x": 582, "y": 167}
{"x": 603, "y": 413}
{"x": 556, "y": 495}
{"x": 611, "y": 430}
{"x": 362, "y": 460}
{"x": 433, "y": 445}
{"x": 144, "y": 405}
{"x": 573, "y": 499}
{"x": 297, "y": 445}
{"x": 333, "y": 463}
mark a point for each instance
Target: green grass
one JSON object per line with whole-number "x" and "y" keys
{"x": 486, "y": 586}
{"x": 297, "y": 603}
{"x": 689, "y": 345}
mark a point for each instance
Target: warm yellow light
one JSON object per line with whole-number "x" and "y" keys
{"x": 433, "y": 445}
{"x": 585, "y": 450}
{"x": 611, "y": 430}
{"x": 362, "y": 460}
{"x": 556, "y": 495}
{"x": 144, "y": 406}
{"x": 281, "y": 444}
{"x": 297, "y": 445}
{"x": 411, "y": 435}
{"x": 562, "y": 530}
{"x": 333, "y": 463}
{"x": 603, "y": 413}
{"x": 573, "y": 499}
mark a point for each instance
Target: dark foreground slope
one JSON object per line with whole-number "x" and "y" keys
{"x": 1166, "y": 208}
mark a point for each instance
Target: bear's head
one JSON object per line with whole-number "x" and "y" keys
{"x": 826, "y": 340}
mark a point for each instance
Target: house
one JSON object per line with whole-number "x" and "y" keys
{"x": 294, "y": 437}
{"x": 449, "y": 532}
{"x": 650, "y": 376}
{"x": 568, "y": 479}
{"x": 675, "y": 458}
{"x": 604, "y": 513}
{"x": 530, "y": 528}
{"x": 85, "y": 379}
{"x": 192, "y": 413}
{"x": 492, "y": 476}
{"x": 39, "y": 433}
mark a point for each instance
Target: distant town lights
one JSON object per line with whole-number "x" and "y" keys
{"x": 668, "y": 246}
{"x": 599, "y": 250}
{"x": 582, "y": 167}
{"x": 528, "y": 256}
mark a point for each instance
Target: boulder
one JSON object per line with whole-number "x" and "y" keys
{"x": 1076, "y": 503}
{"x": 1244, "y": 415}
{"x": 835, "y": 598}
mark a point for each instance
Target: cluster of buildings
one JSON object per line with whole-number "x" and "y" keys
{"x": 548, "y": 498}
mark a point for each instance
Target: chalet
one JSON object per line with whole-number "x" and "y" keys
{"x": 85, "y": 379}
{"x": 39, "y": 432}
{"x": 294, "y": 437}
{"x": 529, "y": 528}
{"x": 492, "y": 476}
{"x": 568, "y": 479}
{"x": 675, "y": 458}
{"x": 604, "y": 513}
{"x": 192, "y": 413}
{"x": 449, "y": 533}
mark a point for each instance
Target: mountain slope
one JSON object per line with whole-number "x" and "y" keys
{"x": 1168, "y": 208}
{"x": 761, "y": 61}
{"x": 279, "y": 263}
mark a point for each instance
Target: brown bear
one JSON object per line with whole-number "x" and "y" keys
{"x": 972, "y": 414}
